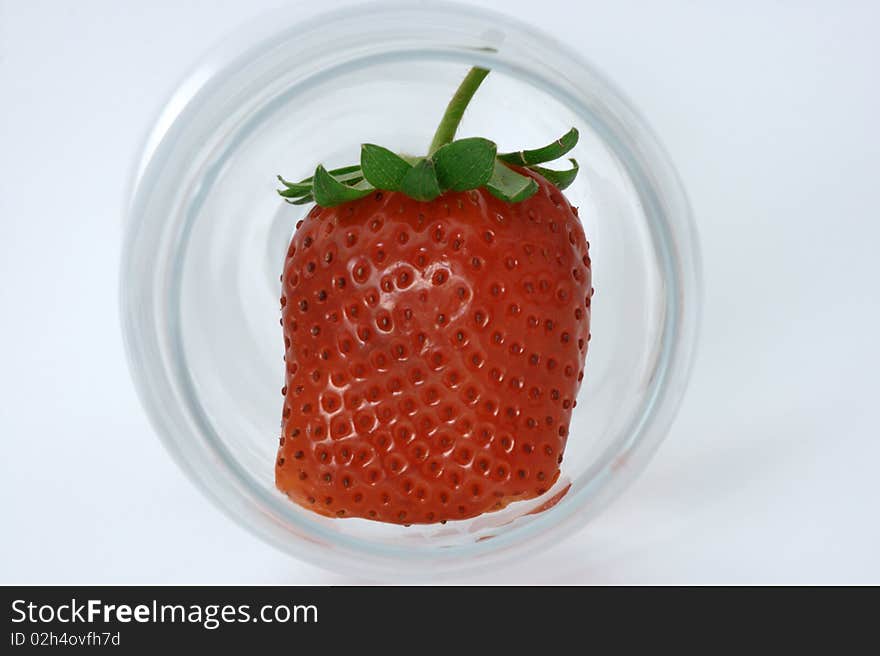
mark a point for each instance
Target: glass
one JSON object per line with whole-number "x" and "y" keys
{"x": 206, "y": 237}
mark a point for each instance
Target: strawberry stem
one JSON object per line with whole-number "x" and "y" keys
{"x": 461, "y": 165}
{"x": 455, "y": 110}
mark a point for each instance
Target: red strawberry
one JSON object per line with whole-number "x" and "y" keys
{"x": 434, "y": 349}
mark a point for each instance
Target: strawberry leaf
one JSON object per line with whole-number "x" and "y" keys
{"x": 295, "y": 190}
{"x": 349, "y": 175}
{"x": 328, "y": 191}
{"x": 382, "y": 168}
{"x": 509, "y": 186}
{"x": 465, "y": 164}
{"x": 305, "y": 200}
{"x": 561, "y": 179}
{"x": 420, "y": 182}
{"x": 548, "y": 153}
{"x": 342, "y": 174}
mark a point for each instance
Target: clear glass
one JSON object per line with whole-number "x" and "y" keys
{"x": 206, "y": 237}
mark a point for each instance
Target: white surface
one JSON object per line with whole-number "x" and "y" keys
{"x": 770, "y": 473}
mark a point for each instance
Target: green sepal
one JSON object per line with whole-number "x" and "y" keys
{"x": 349, "y": 175}
{"x": 294, "y": 193}
{"x": 305, "y": 200}
{"x": 548, "y": 153}
{"x": 420, "y": 182}
{"x": 339, "y": 174}
{"x": 561, "y": 179}
{"x": 328, "y": 191}
{"x": 382, "y": 168}
{"x": 465, "y": 164}
{"x": 509, "y": 186}
{"x": 294, "y": 189}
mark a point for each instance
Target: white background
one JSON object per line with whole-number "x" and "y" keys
{"x": 771, "y": 472}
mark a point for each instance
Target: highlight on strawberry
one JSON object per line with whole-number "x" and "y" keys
{"x": 436, "y": 320}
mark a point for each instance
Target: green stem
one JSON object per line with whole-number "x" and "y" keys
{"x": 455, "y": 110}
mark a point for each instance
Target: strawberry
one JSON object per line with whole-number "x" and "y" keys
{"x": 436, "y": 316}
